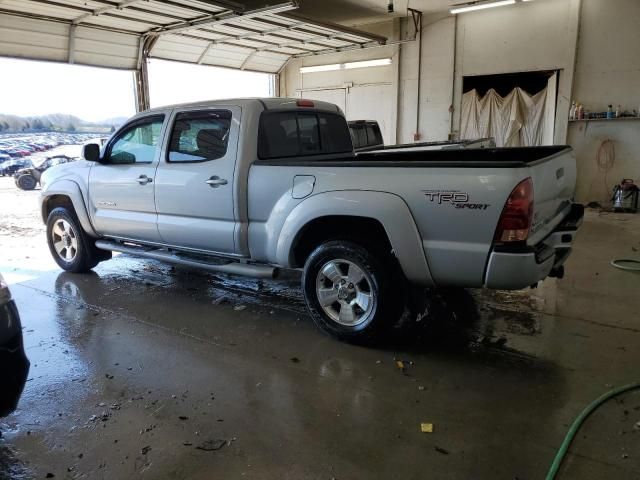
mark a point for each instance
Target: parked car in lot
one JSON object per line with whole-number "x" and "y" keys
{"x": 10, "y": 167}
{"x": 250, "y": 186}
{"x": 28, "y": 178}
{"x": 13, "y": 360}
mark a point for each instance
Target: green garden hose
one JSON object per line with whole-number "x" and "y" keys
{"x": 577, "y": 423}
{"x": 625, "y": 264}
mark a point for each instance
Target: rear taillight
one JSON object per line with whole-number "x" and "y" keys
{"x": 515, "y": 221}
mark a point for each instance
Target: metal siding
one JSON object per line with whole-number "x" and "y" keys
{"x": 40, "y": 30}
{"x": 34, "y": 39}
{"x": 96, "y": 47}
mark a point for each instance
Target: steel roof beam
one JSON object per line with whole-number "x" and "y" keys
{"x": 89, "y": 12}
{"x": 307, "y": 31}
{"x": 99, "y": 11}
{"x": 65, "y": 21}
{"x": 225, "y": 4}
{"x": 221, "y": 19}
{"x": 256, "y": 36}
{"x": 248, "y": 59}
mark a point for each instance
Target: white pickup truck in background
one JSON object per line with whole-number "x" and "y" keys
{"x": 367, "y": 137}
{"x": 251, "y": 186}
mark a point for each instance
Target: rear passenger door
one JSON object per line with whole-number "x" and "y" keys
{"x": 195, "y": 188}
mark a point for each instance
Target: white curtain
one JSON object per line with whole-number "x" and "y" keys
{"x": 517, "y": 120}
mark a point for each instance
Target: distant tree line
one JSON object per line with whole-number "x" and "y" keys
{"x": 46, "y": 123}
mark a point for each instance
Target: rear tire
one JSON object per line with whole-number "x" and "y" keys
{"x": 352, "y": 293}
{"x": 26, "y": 182}
{"x": 71, "y": 248}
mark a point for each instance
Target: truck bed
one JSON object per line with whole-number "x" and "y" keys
{"x": 425, "y": 146}
{"x": 517, "y": 157}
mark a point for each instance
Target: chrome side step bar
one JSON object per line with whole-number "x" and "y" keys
{"x": 231, "y": 267}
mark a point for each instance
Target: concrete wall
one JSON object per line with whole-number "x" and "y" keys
{"x": 607, "y": 72}
{"x": 357, "y": 91}
{"x": 532, "y": 36}
{"x": 435, "y": 78}
{"x": 593, "y": 43}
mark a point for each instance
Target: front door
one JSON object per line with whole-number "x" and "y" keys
{"x": 195, "y": 186}
{"x": 121, "y": 186}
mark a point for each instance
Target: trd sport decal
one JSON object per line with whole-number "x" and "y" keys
{"x": 453, "y": 197}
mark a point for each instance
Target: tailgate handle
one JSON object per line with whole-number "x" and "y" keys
{"x": 560, "y": 173}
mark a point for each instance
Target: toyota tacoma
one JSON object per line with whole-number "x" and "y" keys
{"x": 252, "y": 186}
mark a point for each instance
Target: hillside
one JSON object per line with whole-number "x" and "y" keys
{"x": 56, "y": 121}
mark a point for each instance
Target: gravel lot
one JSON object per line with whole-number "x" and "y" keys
{"x": 24, "y": 251}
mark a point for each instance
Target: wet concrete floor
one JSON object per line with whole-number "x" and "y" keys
{"x": 140, "y": 370}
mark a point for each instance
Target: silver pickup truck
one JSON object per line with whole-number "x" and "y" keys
{"x": 252, "y": 186}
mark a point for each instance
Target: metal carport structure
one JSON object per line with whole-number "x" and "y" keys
{"x": 123, "y": 34}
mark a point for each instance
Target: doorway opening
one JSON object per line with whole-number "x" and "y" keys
{"x": 516, "y": 109}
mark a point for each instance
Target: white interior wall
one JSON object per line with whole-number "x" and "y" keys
{"x": 530, "y": 36}
{"x": 598, "y": 66}
{"x": 607, "y": 72}
{"x": 364, "y": 93}
{"x": 436, "y": 81}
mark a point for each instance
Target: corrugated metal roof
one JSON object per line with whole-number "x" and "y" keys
{"x": 109, "y": 33}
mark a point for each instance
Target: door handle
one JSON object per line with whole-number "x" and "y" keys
{"x": 143, "y": 180}
{"x": 215, "y": 182}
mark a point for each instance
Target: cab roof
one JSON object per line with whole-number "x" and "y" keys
{"x": 272, "y": 103}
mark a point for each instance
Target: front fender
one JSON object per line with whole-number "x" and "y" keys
{"x": 71, "y": 190}
{"x": 389, "y": 209}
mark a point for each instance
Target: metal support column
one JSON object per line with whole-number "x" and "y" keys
{"x": 141, "y": 74}
{"x": 141, "y": 80}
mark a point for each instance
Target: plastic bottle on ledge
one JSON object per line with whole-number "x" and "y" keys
{"x": 618, "y": 111}
{"x": 572, "y": 111}
{"x": 610, "y": 111}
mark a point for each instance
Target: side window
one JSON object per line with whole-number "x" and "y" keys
{"x": 199, "y": 136}
{"x": 138, "y": 143}
{"x": 290, "y": 134}
{"x": 362, "y": 136}
{"x": 353, "y": 129}
{"x": 374, "y": 136}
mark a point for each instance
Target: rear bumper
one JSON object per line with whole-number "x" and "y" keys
{"x": 513, "y": 268}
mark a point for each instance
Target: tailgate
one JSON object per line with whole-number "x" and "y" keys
{"x": 554, "y": 183}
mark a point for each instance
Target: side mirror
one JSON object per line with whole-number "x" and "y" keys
{"x": 91, "y": 152}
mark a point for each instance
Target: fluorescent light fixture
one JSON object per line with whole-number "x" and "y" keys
{"x": 482, "y": 6}
{"x": 321, "y": 68}
{"x": 368, "y": 63}
{"x": 380, "y": 62}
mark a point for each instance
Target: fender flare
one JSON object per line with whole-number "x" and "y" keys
{"x": 69, "y": 188}
{"x": 388, "y": 209}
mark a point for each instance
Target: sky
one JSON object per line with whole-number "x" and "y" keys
{"x": 29, "y": 88}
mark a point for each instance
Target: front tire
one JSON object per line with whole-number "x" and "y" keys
{"x": 350, "y": 291}
{"x": 26, "y": 182}
{"x": 71, "y": 248}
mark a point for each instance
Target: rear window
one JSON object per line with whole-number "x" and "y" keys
{"x": 295, "y": 134}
